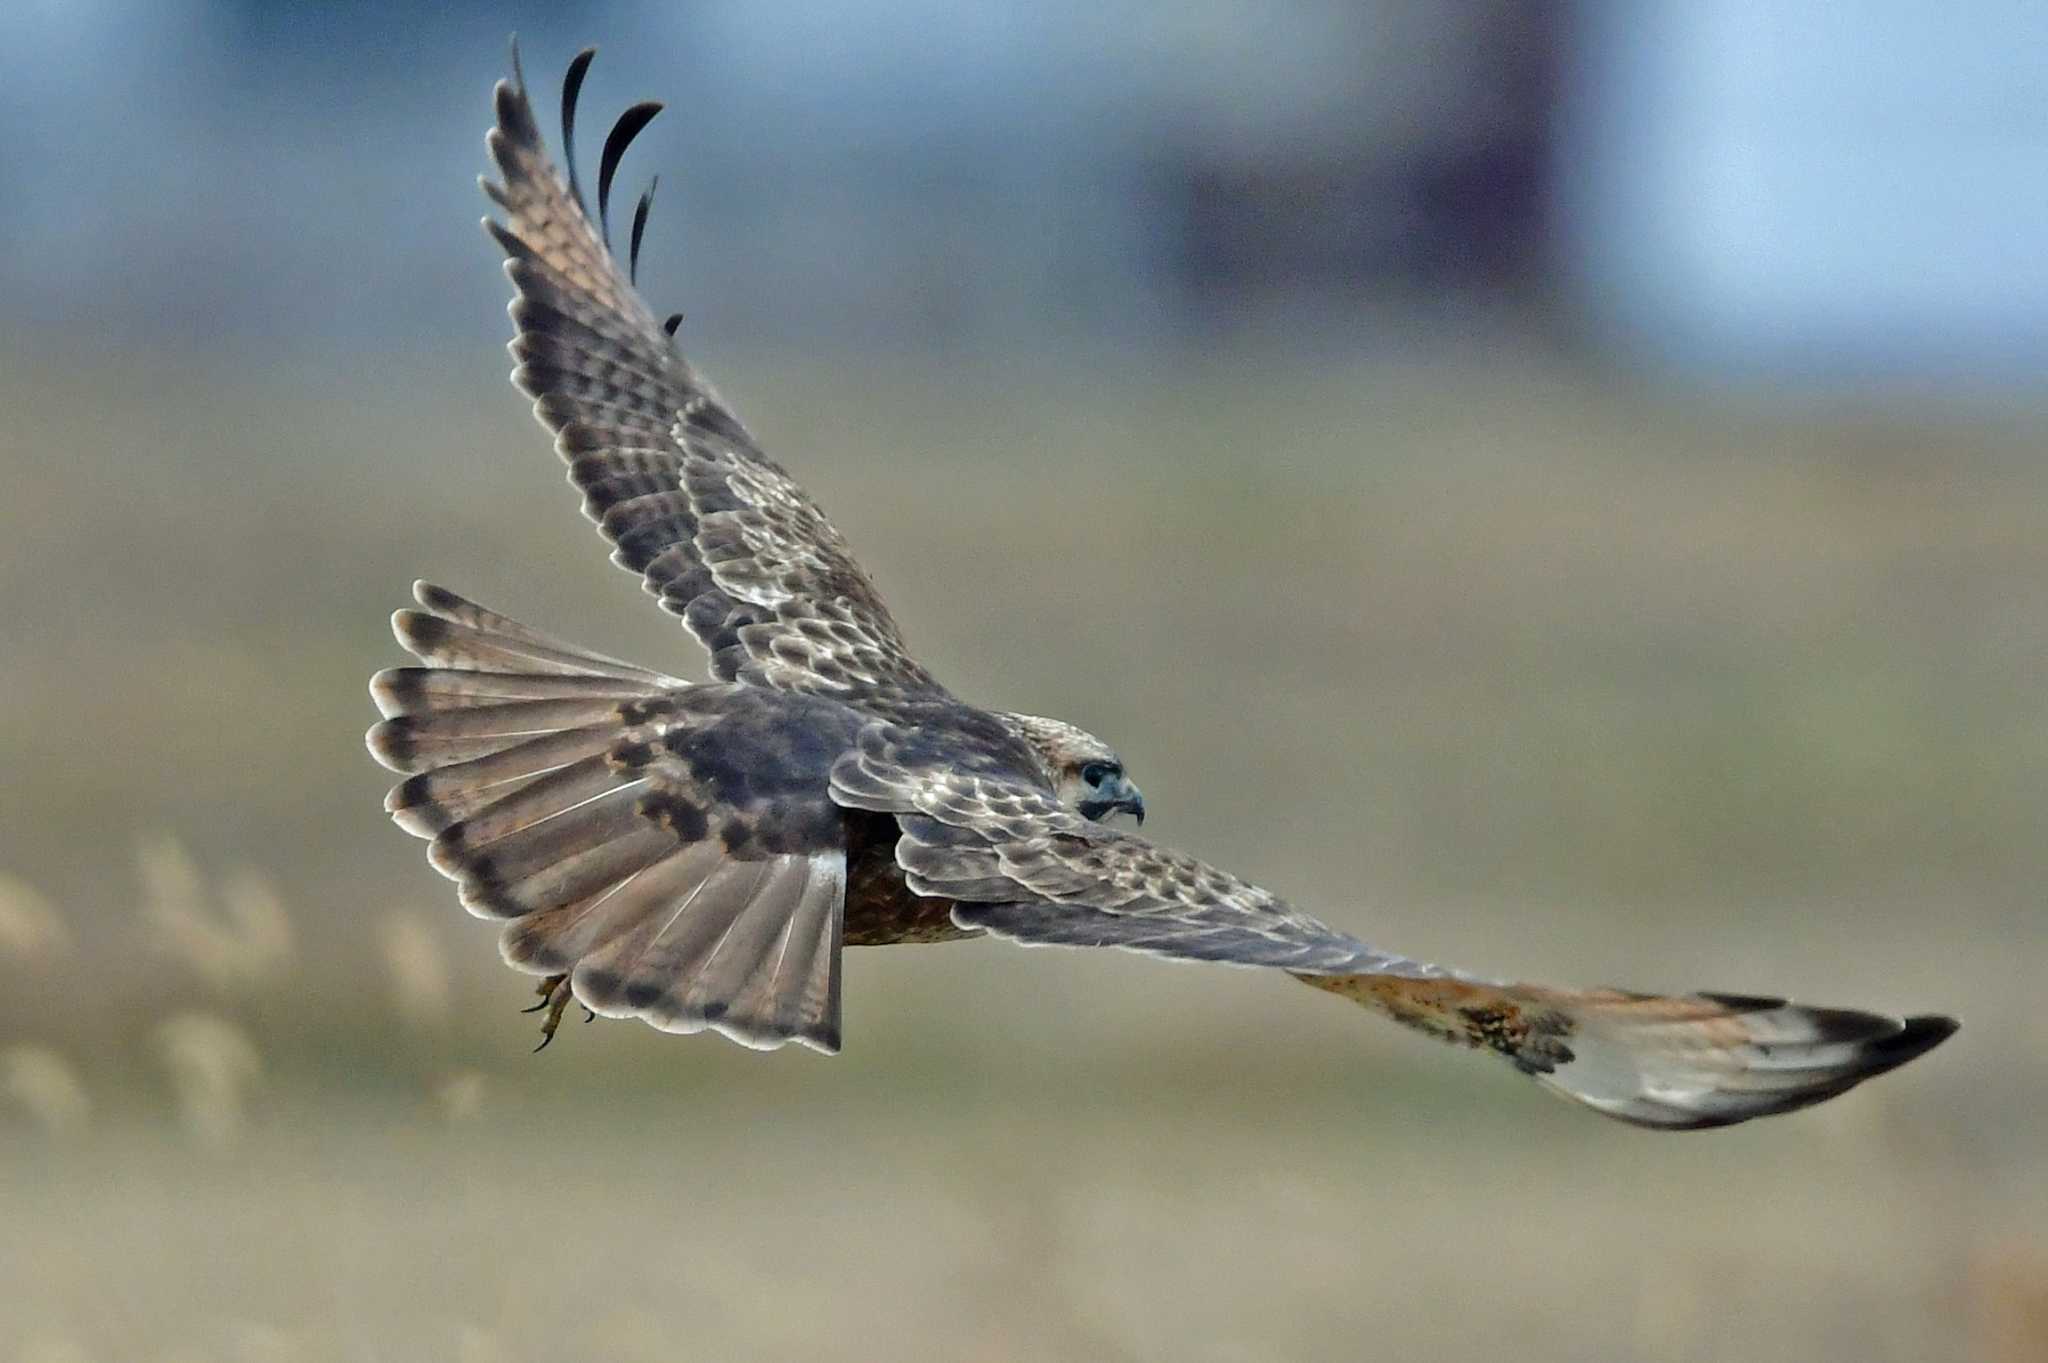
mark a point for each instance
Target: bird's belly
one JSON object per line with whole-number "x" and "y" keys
{"x": 882, "y": 911}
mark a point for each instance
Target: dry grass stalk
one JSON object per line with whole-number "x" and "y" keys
{"x": 255, "y": 1341}
{"x": 246, "y": 940}
{"x": 45, "y": 1086}
{"x": 213, "y": 1066}
{"x": 30, "y": 926}
{"x": 460, "y": 1096}
{"x": 416, "y": 967}
{"x": 474, "y": 1344}
{"x": 49, "y": 1347}
{"x": 2009, "y": 1293}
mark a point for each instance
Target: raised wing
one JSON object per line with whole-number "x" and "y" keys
{"x": 721, "y": 534}
{"x": 1021, "y": 867}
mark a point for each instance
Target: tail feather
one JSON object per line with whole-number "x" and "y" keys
{"x": 1675, "y": 1063}
{"x": 417, "y": 690}
{"x": 614, "y": 979}
{"x": 721, "y": 974}
{"x": 577, "y": 870}
{"x": 445, "y": 605}
{"x": 528, "y": 764}
{"x": 751, "y": 952}
{"x": 447, "y": 643}
{"x": 510, "y": 720}
{"x": 418, "y": 743}
{"x": 801, "y": 978}
{"x": 553, "y": 941}
{"x": 435, "y": 798}
{"x": 453, "y": 632}
{"x": 544, "y": 797}
{"x": 491, "y": 860}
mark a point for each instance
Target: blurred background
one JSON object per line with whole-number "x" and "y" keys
{"x": 1556, "y": 487}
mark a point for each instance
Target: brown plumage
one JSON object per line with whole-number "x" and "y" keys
{"x": 697, "y": 854}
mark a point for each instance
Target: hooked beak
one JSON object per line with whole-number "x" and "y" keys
{"x": 1118, "y": 797}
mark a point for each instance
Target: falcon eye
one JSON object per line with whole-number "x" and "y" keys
{"x": 1095, "y": 773}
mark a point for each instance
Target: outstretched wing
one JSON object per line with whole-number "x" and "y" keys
{"x": 721, "y": 534}
{"x": 1021, "y": 867}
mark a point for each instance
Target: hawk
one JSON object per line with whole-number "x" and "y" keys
{"x": 696, "y": 854}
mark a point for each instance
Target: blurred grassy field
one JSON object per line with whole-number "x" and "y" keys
{"x": 1486, "y": 660}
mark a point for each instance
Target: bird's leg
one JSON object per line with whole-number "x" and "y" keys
{"x": 554, "y": 996}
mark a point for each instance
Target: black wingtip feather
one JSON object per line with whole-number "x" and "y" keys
{"x": 508, "y": 241}
{"x": 1744, "y": 1003}
{"x": 1832, "y": 1024}
{"x": 640, "y": 213}
{"x": 514, "y": 118}
{"x": 675, "y": 319}
{"x": 572, "y": 86}
{"x": 622, "y": 134}
{"x": 1919, "y": 1036}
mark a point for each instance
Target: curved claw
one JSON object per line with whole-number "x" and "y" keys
{"x": 555, "y": 996}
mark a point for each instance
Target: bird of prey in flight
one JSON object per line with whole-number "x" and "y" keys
{"x": 695, "y": 854}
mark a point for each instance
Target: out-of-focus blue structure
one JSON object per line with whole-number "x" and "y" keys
{"x": 1730, "y": 187}
{"x": 1811, "y": 190}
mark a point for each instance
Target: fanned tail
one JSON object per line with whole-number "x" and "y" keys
{"x": 498, "y": 707}
{"x": 536, "y": 770}
{"x": 1675, "y": 1063}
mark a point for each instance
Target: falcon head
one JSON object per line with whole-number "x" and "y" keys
{"x": 1086, "y": 772}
